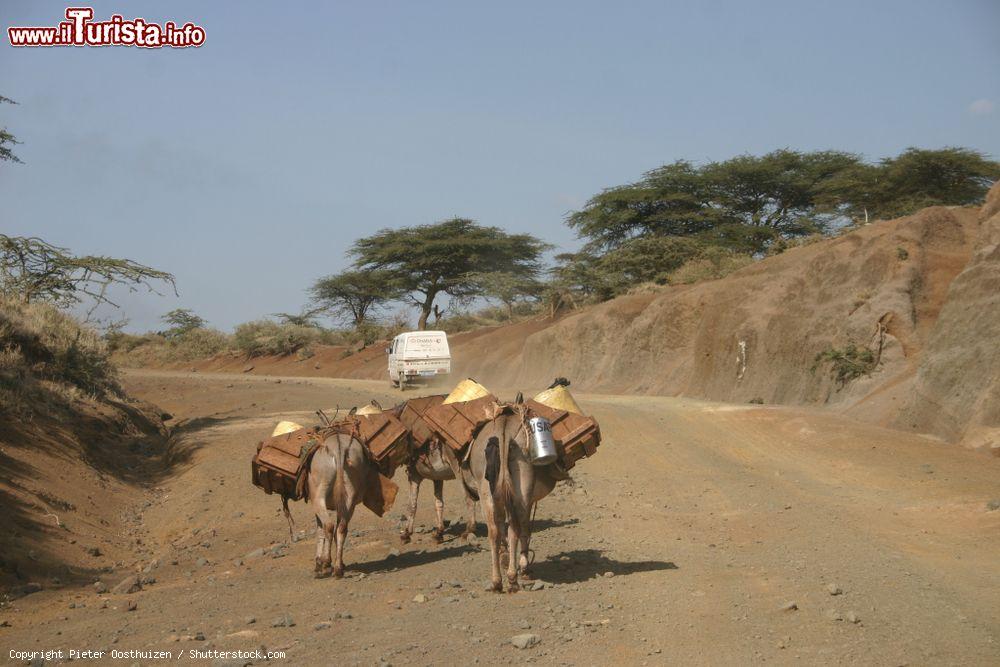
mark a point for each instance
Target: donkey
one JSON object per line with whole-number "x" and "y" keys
{"x": 499, "y": 472}
{"x": 339, "y": 477}
{"x": 438, "y": 464}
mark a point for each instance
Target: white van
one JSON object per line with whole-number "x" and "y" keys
{"x": 418, "y": 355}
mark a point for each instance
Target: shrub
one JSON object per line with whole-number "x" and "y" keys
{"x": 199, "y": 344}
{"x": 266, "y": 337}
{"x": 40, "y": 343}
{"x": 713, "y": 263}
{"x": 848, "y": 363}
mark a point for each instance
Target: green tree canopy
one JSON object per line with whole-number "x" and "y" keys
{"x": 510, "y": 288}
{"x": 181, "y": 321}
{"x": 747, "y": 201}
{"x": 913, "y": 180}
{"x": 447, "y": 257}
{"x": 354, "y": 296}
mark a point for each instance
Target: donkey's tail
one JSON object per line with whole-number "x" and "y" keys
{"x": 504, "y": 484}
{"x": 339, "y": 459}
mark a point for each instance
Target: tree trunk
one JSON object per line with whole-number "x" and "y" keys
{"x": 425, "y": 312}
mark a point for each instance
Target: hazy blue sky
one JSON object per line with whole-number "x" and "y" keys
{"x": 247, "y": 166}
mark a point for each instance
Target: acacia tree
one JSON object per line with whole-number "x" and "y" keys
{"x": 447, "y": 257}
{"x": 914, "y": 179}
{"x": 33, "y": 270}
{"x": 181, "y": 321}
{"x": 354, "y": 295}
{"x": 510, "y": 288}
{"x": 745, "y": 202}
{"x": 7, "y": 140}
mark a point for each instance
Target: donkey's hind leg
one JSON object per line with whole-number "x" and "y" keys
{"x": 439, "y": 509}
{"x": 343, "y": 519}
{"x": 414, "y": 479}
{"x": 324, "y": 531}
{"x": 513, "y": 540}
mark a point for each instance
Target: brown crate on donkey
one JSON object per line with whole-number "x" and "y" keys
{"x": 280, "y": 461}
{"x": 575, "y": 436}
{"x": 457, "y": 423}
{"x": 386, "y": 438}
{"x": 412, "y": 415}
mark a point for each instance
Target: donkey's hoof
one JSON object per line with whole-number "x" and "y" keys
{"x": 438, "y": 536}
{"x": 513, "y": 587}
{"x": 321, "y": 574}
{"x": 497, "y": 587}
{"x": 404, "y": 538}
{"x": 338, "y": 574}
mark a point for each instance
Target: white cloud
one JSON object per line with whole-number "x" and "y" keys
{"x": 982, "y": 107}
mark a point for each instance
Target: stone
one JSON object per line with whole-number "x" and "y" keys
{"x": 201, "y": 562}
{"x": 834, "y": 615}
{"x": 526, "y": 640}
{"x": 132, "y": 605}
{"x": 30, "y": 587}
{"x": 127, "y": 585}
{"x": 853, "y": 617}
{"x": 256, "y": 553}
{"x": 323, "y": 625}
{"x": 420, "y": 598}
{"x": 283, "y": 621}
{"x": 834, "y": 589}
{"x": 248, "y": 368}
{"x": 789, "y": 606}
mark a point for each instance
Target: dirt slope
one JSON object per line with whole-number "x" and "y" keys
{"x": 756, "y": 334}
{"x": 957, "y": 389}
{"x": 711, "y": 518}
{"x": 68, "y": 477}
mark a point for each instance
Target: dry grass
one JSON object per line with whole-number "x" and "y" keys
{"x": 44, "y": 351}
{"x": 711, "y": 265}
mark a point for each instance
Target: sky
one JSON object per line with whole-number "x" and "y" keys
{"x": 246, "y": 167}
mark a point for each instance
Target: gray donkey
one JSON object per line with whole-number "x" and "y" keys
{"x": 499, "y": 472}
{"x": 340, "y": 477}
{"x": 438, "y": 464}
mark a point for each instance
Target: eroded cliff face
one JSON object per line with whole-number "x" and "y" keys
{"x": 956, "y": 393}
{"x": 891, "y": 287}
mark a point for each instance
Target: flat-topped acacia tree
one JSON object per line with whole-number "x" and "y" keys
{"x": 449, "y": 257}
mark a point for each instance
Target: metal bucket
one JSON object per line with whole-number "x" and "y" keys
{"x": 543, "y": 447}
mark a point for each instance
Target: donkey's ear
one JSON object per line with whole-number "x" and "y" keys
{"x": 353, "y": 410}
{"x": 519, "y": 398}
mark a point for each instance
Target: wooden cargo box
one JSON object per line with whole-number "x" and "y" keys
{"x": 457, "y": 423}
{"x": 576, "y": 436}
{"x": 411, "y": 415}
{"x": 281, "y": 460}
{"x": 386, "y": 438}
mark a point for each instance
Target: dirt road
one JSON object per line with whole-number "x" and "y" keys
{"x": 686, "y": 540}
